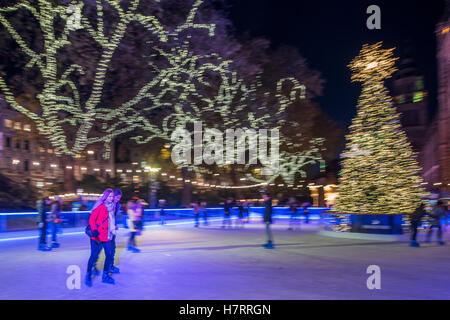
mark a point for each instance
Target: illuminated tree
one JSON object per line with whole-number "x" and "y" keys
{"x": 379, "y": 173}
{"x": 84, "y": 51}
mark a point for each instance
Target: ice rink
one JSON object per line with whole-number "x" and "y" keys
{"x": 182, "y": 262}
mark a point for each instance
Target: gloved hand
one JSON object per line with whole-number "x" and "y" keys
{"x": 40, "y": 224}
{"x": 95, "y": 233}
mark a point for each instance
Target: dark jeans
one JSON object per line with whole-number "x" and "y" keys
{"x": 96, "y": 247}
{"x": 439, "y": 233}
{"x": 43, "y": 234}
{"x": 197, "y": 216}
{"x": 414, "y": 226}
{"x": 54, "y": 227}
{"x": 132, "y": 241}
{"x": 268, "y": 232}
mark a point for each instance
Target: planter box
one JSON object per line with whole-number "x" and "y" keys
{"x": 376, "y": 223}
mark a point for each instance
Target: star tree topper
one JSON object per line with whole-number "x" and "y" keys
{"x": 373, "y": 63}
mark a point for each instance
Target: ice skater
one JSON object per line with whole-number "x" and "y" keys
{"x": 268, "y": 220}
{"x": 305, "y": 211}
{"x": 227, "y": 213}
{"x": 205, "y": 212}
{"x": 416, "y": 217}
{"x": 133, "y": 225}
{"x": 102, "y": 223}
{"x": 436, "y": 217}
{"x": 196, "y": 210}
{"x": 162, "y": 213}
{"x": 42, "y": 222}
{"x": 294, "y": 216}
{"x": 240, "y": 220}
{"x": 55, "y": 220}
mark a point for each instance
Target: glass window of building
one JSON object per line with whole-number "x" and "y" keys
{"x": 8, "y": 123}
{"x": 17, "y": 144}
{"x": 25, "y": 165}
{"x": 8, "y": 142}
{"x": 17, "y": 126}
{"x": 419, "y": 84}
{"x": 418, "y": 96}
{"x": 27, "y": 145}
{"x": 26, "y": 127}
{"x": 401, "y": 99}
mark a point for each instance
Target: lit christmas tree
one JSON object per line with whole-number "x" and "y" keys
{"x": 379, "y": 173}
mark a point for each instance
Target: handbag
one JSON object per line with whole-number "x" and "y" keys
{"x": 89, "y": 231}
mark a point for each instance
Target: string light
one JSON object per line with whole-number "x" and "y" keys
{"x": 183, "y": 79}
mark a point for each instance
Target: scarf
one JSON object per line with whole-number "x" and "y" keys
{"x": 111, "y": 220}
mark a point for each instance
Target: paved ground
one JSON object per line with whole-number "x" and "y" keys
{"x": 182, "y": 262}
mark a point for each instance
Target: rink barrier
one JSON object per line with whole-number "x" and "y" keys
{"x": 20, "y": 221}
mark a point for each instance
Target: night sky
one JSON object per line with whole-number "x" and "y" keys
{"x": 330, "y": 33}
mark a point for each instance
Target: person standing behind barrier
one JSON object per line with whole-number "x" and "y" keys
{"x": 42, "y": 221}
{"x": 436, "y": 217}
{"x": 55, "y": 220}
{"x": 227, "y": 213}
{"x": 196, "y": 210}
{"x": 162, "y": 213}
{"x": 102, "y": 224}
{"x": 268, "y": 220}
{"x": 293, "y": 209}
{"x": 248, "y": 204}
{"x": 240, "y": 220}
{"x": 133, "y": 225}
{"x": 205, "y": 212}
{"x": 416, "y": 217}
{"x": 305, "y": 211}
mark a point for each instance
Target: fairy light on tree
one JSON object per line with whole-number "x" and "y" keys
{"x": 379, "y": 173}
{"x": 186, "y": 86}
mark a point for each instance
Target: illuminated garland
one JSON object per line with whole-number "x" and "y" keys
{"x": 379, "y": 173}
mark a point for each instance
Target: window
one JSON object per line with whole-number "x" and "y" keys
{"x": 8, "y": 142}
{"x": 419, "y": 84}
{"x": 25, "y": 165}
{"x": 17, "y": 144}
{"x": 418, "y": 96}
{"x": 17, "y": 125}
{"x": 26, "y": 127}
{"x": 8, "y": 123}
{"x": 401, "y": 99}
{"x": 27, "y": 145}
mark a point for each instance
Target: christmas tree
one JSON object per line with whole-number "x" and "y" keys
{"x": 379, "y": 173}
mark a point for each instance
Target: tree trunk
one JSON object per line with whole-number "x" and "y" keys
{"x": 68, "y": 174}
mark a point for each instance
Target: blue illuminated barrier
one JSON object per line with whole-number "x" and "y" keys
{"x": 17, "y": 221}
{"x": 370, "y": 223}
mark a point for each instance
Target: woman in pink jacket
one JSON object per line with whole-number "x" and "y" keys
{"x": 102, "y": 222}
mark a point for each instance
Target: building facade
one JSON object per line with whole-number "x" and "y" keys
{"x": 26, "y": 156}
{"x": 435, "y": 155}
{"x": 411, "y": 101}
